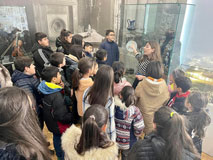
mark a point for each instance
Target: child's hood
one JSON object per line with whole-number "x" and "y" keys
{"x": 119, "y": 103}
{"x": 153, "y": 88}
{"x": 48, "y": 88}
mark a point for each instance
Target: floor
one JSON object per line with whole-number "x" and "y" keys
{"x": 49, "y": 139}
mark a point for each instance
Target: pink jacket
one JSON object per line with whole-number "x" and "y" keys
{"x": 119, "y": 86}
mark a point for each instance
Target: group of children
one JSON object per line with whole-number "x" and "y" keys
{"x": 112, "y": 114}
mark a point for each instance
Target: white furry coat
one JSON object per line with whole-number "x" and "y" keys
{"x": 71, "y": 138}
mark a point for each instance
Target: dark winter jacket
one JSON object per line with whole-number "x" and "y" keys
{"x": 177, "y": 102}
{"x": 152, "y": 147}
{"x": 8, "y": 151}
{"x": 87, "y": 54}
{"x": 112, "y": 51}
{"x": 63, "y": 47}
{"x": 100, "y": 63}
{"x": 56, "y": 114}
{"x": 28, "y": 82}
{"x": 191, "y": 121}
{"x": 39, "y": 63}
{"x": 69, "y": 69}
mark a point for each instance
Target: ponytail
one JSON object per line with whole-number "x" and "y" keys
{"x": 76, "y": 76}
{"x": 117, "y": 77}
{"x": 90, "y": 129}
{"x": 200, "y": 118}
{"x": 84, "y": 65}
{"x": 92, "y": 135}
{"x": 118, "y": 68}
{"x": 128, "y": 96}
{"x": 201, "y": 121}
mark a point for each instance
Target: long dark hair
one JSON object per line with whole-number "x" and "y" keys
{"x": 119, "y": 69}
{"x": 154, "y": 70}
{"x": 77, "y": 39}
{"x": 77, "y": 51}
{"x": 156, "y": 55}
{"x": 19, "y": 124}
{"x": 128, "y": 96}
{"x": 84, "y": 65}
{"x": 65, "y": 44}
{"x": 200, "y": 118}
{"x": 92, "y": 135}
{"x": 171, "y": 127}
{"x": 102, "y": 88}
{"x": 64, "y": 33}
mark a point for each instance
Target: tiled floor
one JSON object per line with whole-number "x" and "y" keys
{"x": 49, "y": 139}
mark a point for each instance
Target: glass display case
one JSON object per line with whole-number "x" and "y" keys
{"x": 161, "y": 22}
{"x": 170, "y": 25}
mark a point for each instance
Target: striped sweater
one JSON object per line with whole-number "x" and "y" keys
{"x": 129, "y": 124}
{"x": 142, "y": 65}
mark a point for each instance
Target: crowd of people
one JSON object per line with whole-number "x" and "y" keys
{"x": 93, "y": 112}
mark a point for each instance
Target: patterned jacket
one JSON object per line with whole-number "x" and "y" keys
{"x": 129, "y": 124}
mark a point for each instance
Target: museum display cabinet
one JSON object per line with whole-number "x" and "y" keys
{"x": 167, "y": 23}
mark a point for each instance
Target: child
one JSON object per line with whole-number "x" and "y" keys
{"x": 101, "y": 57}
{"x": 101, "y": 92}
{"x": 88, "y": 47}
{"x": 169, "y": 141}
{"x": 111, "y": 47}
{"x": 57, "y": 59}
{"x": 175, "y": 73}
{"x": 91, "y": 142}
{"x": 21, "y": 137}
{"x": 197, "y": 117}
{"x": 119, "y": 80}
{"x": 128, "y": 120}
{"x": 41, "y": 45}
{"x": 151, "y": 53}
{"x": 56, "y": 114}
{"x": 24, "y": 77}
{"x": 177, "y": 98}
{"x": 63, "y": 42}
{"x": 81, "y": 80}
{"x": 152, "y": 93}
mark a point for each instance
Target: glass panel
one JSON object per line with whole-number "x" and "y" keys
{"x": 161, "y": 22}
{"x": 132, "y": 25}
{"x": 195, "y": 59}
{"x": 14, "y": 33}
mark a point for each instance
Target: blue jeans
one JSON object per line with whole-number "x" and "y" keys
{"x": 57, "y": 146}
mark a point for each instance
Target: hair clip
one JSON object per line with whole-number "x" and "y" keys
{"x": 171, "y": 114}
{"x": 92, "y": 116}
